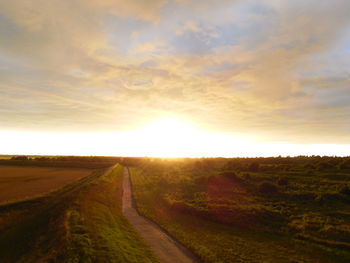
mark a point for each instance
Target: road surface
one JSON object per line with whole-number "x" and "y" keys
{"x": 164, "y": 247}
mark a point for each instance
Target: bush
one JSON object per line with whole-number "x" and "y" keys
{"x": 267, "y": 188}
{"x": 345, "y": 164}
{"x": 309, "y": 166}
{"x": 345, "y": 190}
{"x": 309, "y": 173}
{"x": 325, "y": 165}
{"x": 254, "y": 167}
{"x": 20, "y": 158}
{"x": 230, "y": 175}
{"x": 282, "y": 181}
{"x": 247, "y": 176}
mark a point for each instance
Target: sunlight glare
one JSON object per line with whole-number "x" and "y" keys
{"x": 173, "y": 137}
{"x": 167, "y": 137}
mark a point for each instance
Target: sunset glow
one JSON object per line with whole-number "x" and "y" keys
{"x": 175, "y": 78}
{"x": 167, "y": 137}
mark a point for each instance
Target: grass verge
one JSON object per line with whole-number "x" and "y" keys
{"x": 96, "y": 230}
{"x": 81, "y": 222}
{"x": 215, "y": 242}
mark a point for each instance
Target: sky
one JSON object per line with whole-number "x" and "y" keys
{"x": 175, "y": 77}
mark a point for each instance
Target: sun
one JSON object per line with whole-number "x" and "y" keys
{"x": 168, "y": 137}
{"x": 175, "y": 137}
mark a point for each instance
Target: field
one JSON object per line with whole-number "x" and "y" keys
{"x": 26, "y": 182}
{"x": 80, "y": 222}
{"x": 59, "y": 161}
{"x": 224, "y": 210}
{"x": 250, "y": 210}
{"x": 5, "y": 157}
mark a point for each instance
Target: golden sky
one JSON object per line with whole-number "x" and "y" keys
{"x": 243, "y": 77}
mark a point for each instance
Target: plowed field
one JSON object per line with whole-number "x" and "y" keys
{"x": 18, "y": 183}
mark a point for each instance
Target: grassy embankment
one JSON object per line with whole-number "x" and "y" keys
{"x": 232, "y": 211}
{"x": 96, "y": 229}
{"x": 32, "y": 228}
{"x": 81, "y": 222}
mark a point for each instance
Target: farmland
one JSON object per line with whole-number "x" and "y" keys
{"x": 25, "y": 182}
{"x": 223, "y": 210}
{"x": 250, "y": 210}
{"x": 5, "y": 157}
{"x": 80, "y": 221}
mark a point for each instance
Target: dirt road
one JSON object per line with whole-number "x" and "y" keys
{"x": 164, "y": 247}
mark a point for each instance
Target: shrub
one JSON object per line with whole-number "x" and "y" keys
{"x": 309, "y": 166}
{"x": 309, "y": 173}
{"x": 345, "y": 164}
{"x": 20, "y": 158}
{"x": 254, "y": 167}
{"x": 286, "y": 167}
{"x": 282, "y": 181}
{"x": 345, "y": 190}
{"x": 230, "y": 175}
{"x": 319, "y": 198}
{"x": 325, "y": 165}
{"x": 267, "y": 188}
{"x": 247, "y": 176}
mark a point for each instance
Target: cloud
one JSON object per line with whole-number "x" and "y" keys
{"x": 191, "y": 26}
{"x": 142, "y": 9}
{"x": 238, "y": 66}
{"x": 150, "y": 48}
{"x": 66, "y": 33}
{"x": 54, "y": 36}
{"x": 291, "y": 36}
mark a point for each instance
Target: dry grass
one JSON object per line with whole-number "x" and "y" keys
{"x": 33, "y": 229}
{"x": 81, "y": 222}
{"x": 97, "y": 231}
{"x": 18, "y": 183}
{"x": 227, "y": 210}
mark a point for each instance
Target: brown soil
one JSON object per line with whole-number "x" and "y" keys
{"x": 18, "y": 183}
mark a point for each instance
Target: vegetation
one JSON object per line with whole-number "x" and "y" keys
{"x": 267, "y": 188}
{"x": 32, "y": 229}
{"x": 81, "y": 222}
{"x": 224, "y": 210}
{"x": 96, "y": 229}
{"x": 250, "y": 209}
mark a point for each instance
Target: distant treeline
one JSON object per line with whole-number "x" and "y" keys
{"x": 91, "y": 162}
{"x": 241, "y": 164}
{"x": 252, "y": 164}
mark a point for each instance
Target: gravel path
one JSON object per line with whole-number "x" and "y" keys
{"x": 165, "y": 248}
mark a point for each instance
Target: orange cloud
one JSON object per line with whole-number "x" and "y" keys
{"x": 237, "y": 66}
